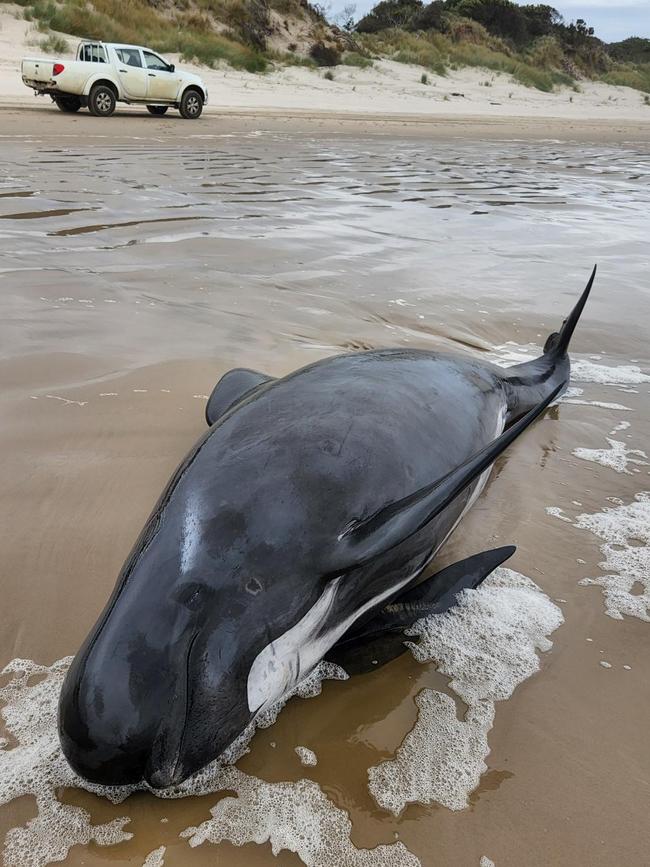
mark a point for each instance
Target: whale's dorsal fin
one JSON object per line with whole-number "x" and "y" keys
{"x": 363, "y": 540}
{"x": 231, "y": 389}
{"x": 381, "y": 639}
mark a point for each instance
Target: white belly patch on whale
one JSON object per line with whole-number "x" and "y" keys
{"x": 284, "y": 662}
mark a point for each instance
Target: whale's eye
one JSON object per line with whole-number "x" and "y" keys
{"x": 253, "y": 586}
{"x": 192, "y": 595}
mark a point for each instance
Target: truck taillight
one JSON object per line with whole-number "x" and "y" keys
{"x": 58, "y": 69}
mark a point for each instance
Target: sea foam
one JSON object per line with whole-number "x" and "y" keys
{"x": 35, "y": 765}
{"x": 293, "y": 816}
{"x": 617, "y": 457}
{"x": 487, "y": 644}
{"x": 625, "y": 532}
{"x": 155, "y": 858}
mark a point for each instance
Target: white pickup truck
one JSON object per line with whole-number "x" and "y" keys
{"x": 105, "y": 73}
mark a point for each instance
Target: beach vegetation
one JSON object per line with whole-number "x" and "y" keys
{"x": 324, "y": 54}
{"x": 531, "y": 43}
{"x": 353, "y": 58}
{"x": 54, "y": 44}
{"x": 192, "y": 35}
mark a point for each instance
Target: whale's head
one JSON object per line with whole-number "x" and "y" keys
{"x": 205, "y": 629}
{"x": 159, "y": 687}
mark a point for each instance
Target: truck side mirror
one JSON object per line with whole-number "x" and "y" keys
{"x": 172, "y": 68}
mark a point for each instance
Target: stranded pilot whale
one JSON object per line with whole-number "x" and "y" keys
{"x": 296, "y": 528}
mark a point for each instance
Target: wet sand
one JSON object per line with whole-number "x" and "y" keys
{"x": 138, "y": 267}
{"x": 25, "y": 117}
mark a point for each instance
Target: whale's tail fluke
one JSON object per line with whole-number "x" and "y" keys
{"x": 558, "y": 342}
{"x": 529, "y": 383}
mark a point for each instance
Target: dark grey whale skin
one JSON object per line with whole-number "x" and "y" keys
{"x": 158, "y": 689}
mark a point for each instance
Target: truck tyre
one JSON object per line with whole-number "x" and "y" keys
{"x": 191, "y": 104}
{"x": 101, "y": 101}
{"x": 67, "y": 103}
{"x": 157, "y": 109}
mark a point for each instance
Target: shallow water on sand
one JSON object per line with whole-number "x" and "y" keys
{"x": 133, "y": 275}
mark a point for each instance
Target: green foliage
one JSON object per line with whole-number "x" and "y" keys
{"x": 628, "y": 75}
{"x": 500, "y": 17}
{"x": 632, "y": 50}
{"x": 424, "y": 78}
{"x": 546, "y": 53}
{"x": 287, "y": 58}
{"x": 213, "y": 48}
{"x": 417, "y": 49}
{"x": 353, "y": 58}
{"x": 325, "y": 55}
{"x": 329, "y": 75}
{"x": 251, "y": 21}
{"x": 54, "y": 45}
{"x": 134, "y": 21}
{"x": 389, "y": 14}
{"x": 438, "y": 53}
{"x": 429, "y": 17}
{"x": 41, "y": 12}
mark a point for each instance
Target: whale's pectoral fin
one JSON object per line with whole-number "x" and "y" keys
{"x": 364, "y": 539}
{"x": 381, "y": 639}
{"x": 233, "y": 387}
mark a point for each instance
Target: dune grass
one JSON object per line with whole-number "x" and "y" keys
{"x": 439, "y": 53}
{"x": 135, "y": 21}
{"x": 353, "y": 58}
{"x": 629, "y": 75}
{"x": 54, "y": 44}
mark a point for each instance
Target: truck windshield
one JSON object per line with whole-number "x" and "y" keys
{"x": 92, "y": 53}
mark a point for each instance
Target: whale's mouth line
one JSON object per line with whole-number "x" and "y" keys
{"x": 165, "y": 779}
{"x": 188, "y": 663}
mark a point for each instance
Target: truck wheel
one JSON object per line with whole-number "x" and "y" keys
{"x": 157, "y": 109}
{"x": 68, "y": 103}
{"x": 101, "y": 101}
{"x": 191, "y": 104}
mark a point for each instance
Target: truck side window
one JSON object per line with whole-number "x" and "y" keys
{"x": 154, "y": 62}
{"x": 92, "y": 53}
{"x": 130, "y": 56}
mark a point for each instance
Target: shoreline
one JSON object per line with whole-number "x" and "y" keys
{"x": 133, "y": 121}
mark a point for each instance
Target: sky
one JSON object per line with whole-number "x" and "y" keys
{"x": 612, "y": 20}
